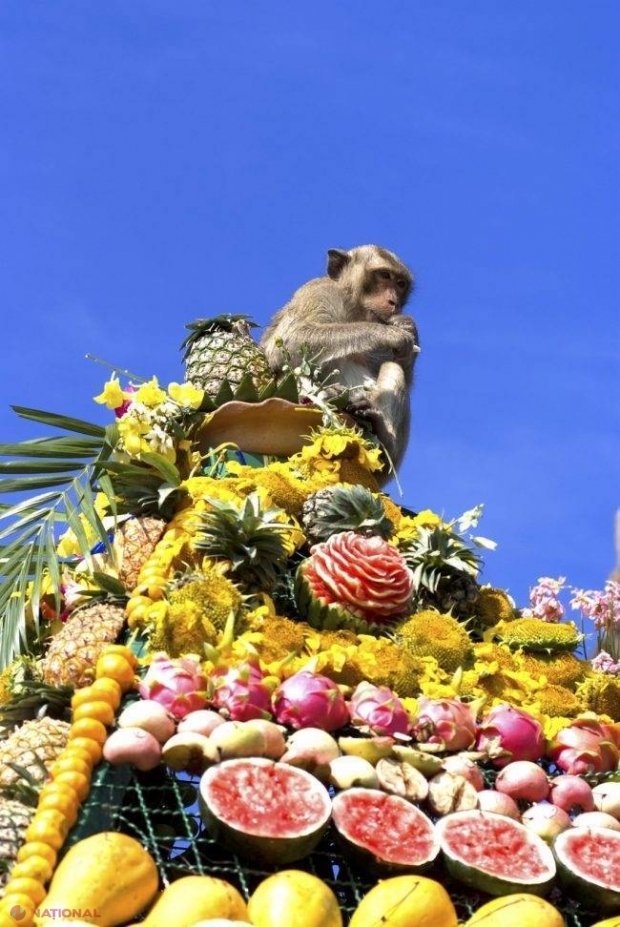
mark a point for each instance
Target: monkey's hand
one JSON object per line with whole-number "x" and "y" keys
{"x": 405, "y": 344}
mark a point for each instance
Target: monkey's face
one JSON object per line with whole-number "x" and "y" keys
{"x": 384, "y": 294}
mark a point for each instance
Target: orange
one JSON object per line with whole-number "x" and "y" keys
{"x": 86, "y": 745}
{"x": 77, "y": 781}
{"x": 99, "y": 710}
{"x": 35, "y": 848}
{"x": 69, "y": 763}
{"x": 82, "y": 695}
{"x": 89, "y": 727}
{"x": 17, "y": 904}
{"x": 81, "y": 753}
{"x": 30, "y": 887}
{"x": 108, "y": 690}
{"x": 35, "y": 867}
{"x": 122, "y": 651}
{"x": 114, "y": 666}
{"x": 42, "y": 830}
{"x": 65, "y": 802}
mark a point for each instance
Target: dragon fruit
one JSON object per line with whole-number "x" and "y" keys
{"x": 378, "y": 710}
{"x": 178, "y": 684}
{"x": 241, "y": 693}
{"x": 584, "y": 746}
{"x": 447, "y": 721}
{"x": 309, "y": 700}
{"x": 508, "y": 734}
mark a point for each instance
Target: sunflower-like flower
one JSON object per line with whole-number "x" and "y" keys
{"x": 432, "y": 634}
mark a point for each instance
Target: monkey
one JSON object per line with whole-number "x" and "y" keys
{"x": 351, "y": 321}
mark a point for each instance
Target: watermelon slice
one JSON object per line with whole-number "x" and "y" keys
{"x": 495, "y": 854}
{"x": 265, "y": 811}
{"x": 589, "y": 865}
{"x": 385, "y": 830}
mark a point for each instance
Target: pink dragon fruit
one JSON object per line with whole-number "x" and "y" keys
{"x": 378, "y": 710}
{"x": 508, "y": 734}
{"x": 178, "y": 684}
{"x": 447, "y": 721}
{"x": 241, "y": 693}
{"x": 584, "y": 746}
{"x": 309, "y": 700}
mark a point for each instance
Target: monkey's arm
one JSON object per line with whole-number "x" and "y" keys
{"x": 390, "y": 414}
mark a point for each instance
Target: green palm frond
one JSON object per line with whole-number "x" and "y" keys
{"x": 57, "y": 477}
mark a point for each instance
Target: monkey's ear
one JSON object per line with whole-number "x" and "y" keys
{"x": 337, "y": 260}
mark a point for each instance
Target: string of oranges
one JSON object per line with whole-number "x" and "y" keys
{"x": 93, "y": 711}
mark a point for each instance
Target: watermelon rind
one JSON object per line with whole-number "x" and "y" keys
{"x": 401, "y": 838}
{"x": 572, "y": 866}
{"x": 464, "y": 835}
{"x": 245, "y": 801}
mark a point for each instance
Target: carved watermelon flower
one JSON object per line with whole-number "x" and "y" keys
{"x": 364, "y": 575}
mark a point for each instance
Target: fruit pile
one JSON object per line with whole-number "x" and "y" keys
{"x": 325, "y": 665}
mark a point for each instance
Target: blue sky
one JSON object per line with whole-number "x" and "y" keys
{"x": 161, "y": 161}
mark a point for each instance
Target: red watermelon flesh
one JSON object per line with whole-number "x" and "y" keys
{"x": 266, "y": 798}
{"x": 389, "y": 828}
{"x": 264, "y": 811}
{"x": 589, "y": 865}
{"x": 495, "y": 854}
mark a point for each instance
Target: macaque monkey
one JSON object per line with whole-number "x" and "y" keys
{"x": 352, "y": 324}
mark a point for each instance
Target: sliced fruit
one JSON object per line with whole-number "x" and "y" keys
{"x": 385, "y": 830}
{"x": 589, "y": 865}
{"x": 495, "y": 854}
{"x": 264, "y": 810}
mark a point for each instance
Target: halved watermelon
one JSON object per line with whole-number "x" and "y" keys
{"x": 385, "y": 830}
{"x": 265, "y": 811}
{"x": 495, "y": 854}
{"x": 589, "y": 865}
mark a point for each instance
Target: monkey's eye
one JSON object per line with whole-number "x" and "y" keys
{"x": 384, "y": 275}
{"x": 401, "y": 283}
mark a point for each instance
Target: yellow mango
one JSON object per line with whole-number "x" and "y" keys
{"x": 294, "y": 898}
{"x": 405, "y": 901}
{"x": 106, "y": 879}
{"x": 194, "y": 898}
{"x": 517, "y": 910}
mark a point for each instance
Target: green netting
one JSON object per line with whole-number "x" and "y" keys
{"x": 160, "y": 810}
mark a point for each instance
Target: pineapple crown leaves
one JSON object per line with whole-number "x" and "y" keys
{"x": 58, "y": 476}
{"x": 225, "y": 322}
{"x": 437, "y": 551}
{"x": 346, "y": 508}
{"x": 250, "y": 538}
{"x": 151, "y": 487}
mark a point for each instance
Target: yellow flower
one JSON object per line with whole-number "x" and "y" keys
{"x": 406, "y": 531}
{"x": 150, "y": 394}
{"x": 186, "y": 394}
{"x": 112, "y": 396}
{"x": 427, "y": 519}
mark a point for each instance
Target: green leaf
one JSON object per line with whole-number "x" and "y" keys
{"x": 110, "y": 584}
{"x": 52, "y": 447}
{"x": 61, "y": 421}
{"x": 26, "y": 505}
{"x": 48, "y": 466}
{"x": 163, "y": 466}
{"x": 31, "y": 482}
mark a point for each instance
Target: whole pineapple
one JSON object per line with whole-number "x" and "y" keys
{"x": 344, "y": 508}
{"x": 33, "y": 746}
{"x": 74, "y": 650}
{"x": 134, "y": 542}
{"x": 445, "y": 571}
{"x": 219, "y": 351}
{"x": 250, "y": 539}
{"x": 14, "y": 820}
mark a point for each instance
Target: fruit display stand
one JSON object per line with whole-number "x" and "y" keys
{"x": 206, "y": 569}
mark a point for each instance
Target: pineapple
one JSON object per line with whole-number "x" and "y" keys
{"x": 250, "y": 539}
{"x": 344, "y": 508}
{"x": 220, "y": 351}
{"x": 445, "y": 571}
{"x": 134, "y": 542}
{"x": 14, "y": 820}
{"x": 74, "y": 650}
{"x": 33, "y": 746}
